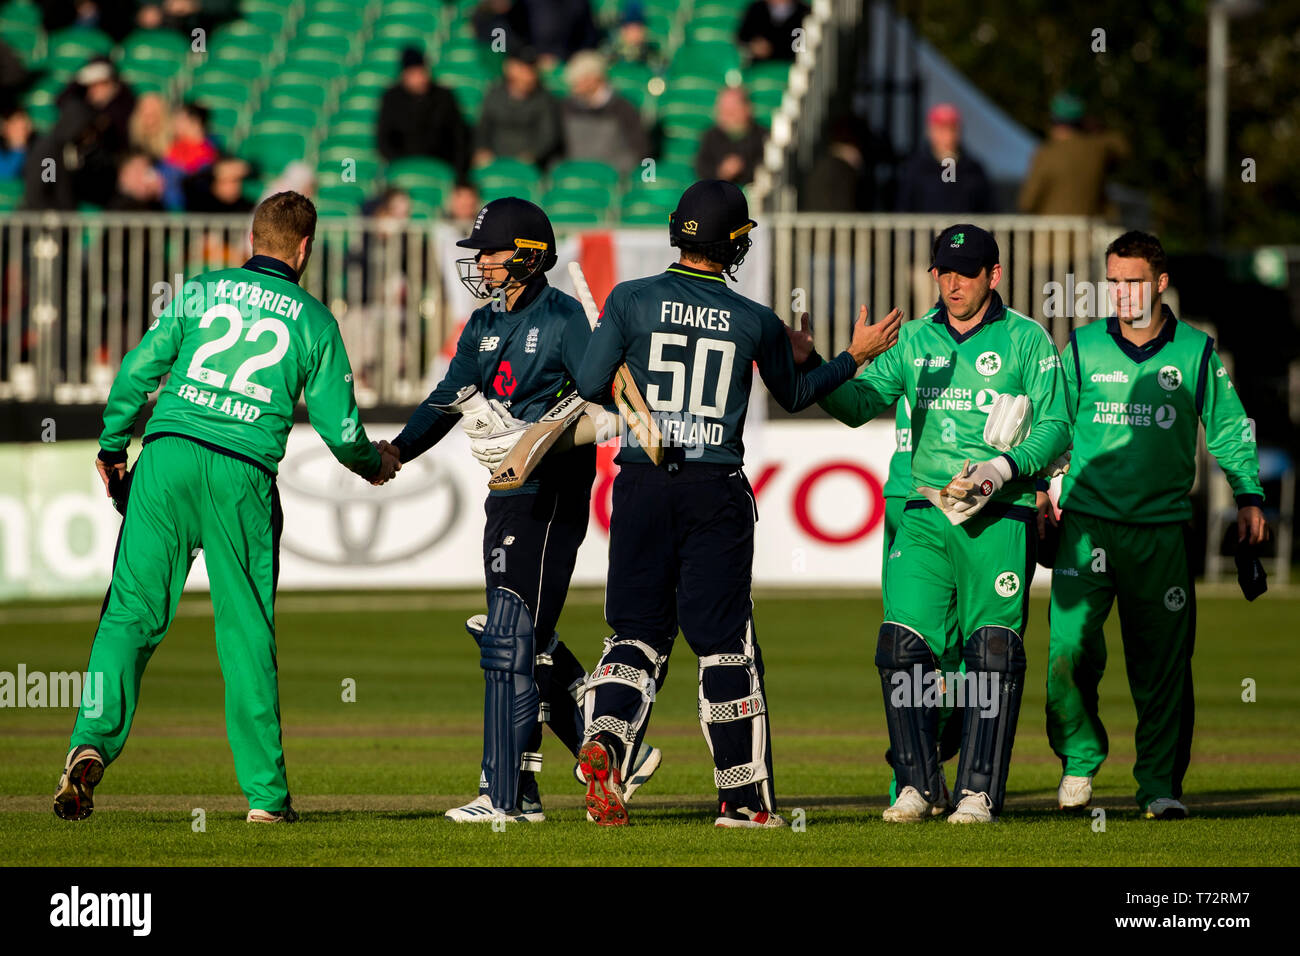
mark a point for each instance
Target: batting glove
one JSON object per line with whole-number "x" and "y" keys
{"x": 973, "y": 486}
{"x": 491, "y": 450}
{"x": 1060, "y": 466}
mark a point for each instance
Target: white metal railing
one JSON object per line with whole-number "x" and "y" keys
{"x": 829, "y": 264}
{"x": 78, "y": 290}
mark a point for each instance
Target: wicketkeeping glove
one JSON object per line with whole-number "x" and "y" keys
{"x": 973, "y": 486}
{"x": 1009, "y": 421}
{"x": 1058, "y": 467}
{"x": 479, "y": 415}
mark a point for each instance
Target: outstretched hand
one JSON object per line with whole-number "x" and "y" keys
{"x": 390, "y": 462}
{"x": 801, "y": 340}
{"x": 872, "y": 340}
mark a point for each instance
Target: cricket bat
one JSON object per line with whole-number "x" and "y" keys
{"x": 627, "y": 396}
{"x": 535, "y": 442}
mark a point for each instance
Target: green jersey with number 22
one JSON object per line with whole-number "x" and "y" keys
{"x": 239, "y": 347}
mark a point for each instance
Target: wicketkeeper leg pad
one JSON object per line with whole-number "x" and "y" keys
{"x": 902, "y": 655}
{"x": 510, "y": 705}
{"x": 995, "y": 656}
{"x": 733, "y": 716}
{"x": 620, "y": 693}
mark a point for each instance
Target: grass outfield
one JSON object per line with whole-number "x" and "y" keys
{"x": 373, "y": 777}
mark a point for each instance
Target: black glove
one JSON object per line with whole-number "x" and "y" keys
{"x": 1250, "y": 571}
{"x": 119, "y": 489}
{"x": 1049, "y": 543}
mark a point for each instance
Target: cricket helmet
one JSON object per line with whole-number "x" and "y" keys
{"x": 508, "y": 223}
{"x": 712, "y": 220}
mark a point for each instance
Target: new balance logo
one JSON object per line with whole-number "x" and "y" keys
{"x": 489, "y": 343}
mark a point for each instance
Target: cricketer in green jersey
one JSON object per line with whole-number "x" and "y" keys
{"x": 1139, "y": 386}
{"x": 967, "y": 539}
{"x": 238, "y": 347}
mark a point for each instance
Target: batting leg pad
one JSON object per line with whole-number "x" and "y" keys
{"x": 560, "y": 682}
{"x": 995, "y": 657}
{"x": 510, "y": 704}
{"x": 620, "y": 693}
{"x": 733, "y": 716}
{"x": 902, "y": 655}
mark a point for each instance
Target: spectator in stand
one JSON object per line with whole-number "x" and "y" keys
{"x": 598, "y": 123}
{"x": 183, "y": 15}
{"x": 86, "y": 143}
{"x": 508, "y": 16}
{"x": 1067, "y": 176}
{"x": 767, "y": 30}
{"x": 417, "y": 117}
{"x": 837, "y": 178}
{"x": 16, "y": 138}
{"x": 297, "y": 177}
{"x": 219, "y": 188}
{"x": 519, "y": 119}
{"x": 150, "y": 127}
{"x": 631, "y": 42}
{"x": 940, "y": 177}
{"x": 463, "y": 204}
{"x": 190, "y": 151}
{"x": 732, "y": 148}
{"x": 560, "y": 28}
{"x": 139, "y": 185}
{"x": 192, "y": 148}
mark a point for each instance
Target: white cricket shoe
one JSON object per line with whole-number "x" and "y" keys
{"x": 480, "y": 810}
{"x": 734, "y": 818}
{"x": 1074, "y": 793}
{"x": 1165, "y": 808}
{"x": 911, "y": 807}
{"x": 287, "y": 815}
{"x": 974, "y": 808}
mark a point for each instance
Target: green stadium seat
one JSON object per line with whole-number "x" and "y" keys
{"x": 425, "y": 8}
{"x": 735, "y": 9}
{"x": 336, "y": 209}
{"x": 43, "y": 115}
{"x": 677, "y": 175}
{"x": 420, "y": 171}
{"x": 427, "y": 196}
{"x": 360, "y": 100}
{"x": 350, "y": 193}
{"x": 247, "y": 31}
{"x": 599, "y": 198}
{"x": 359, "y": 169}
{"x": 253, "y": 188}
{"x": 217, "y": 71}
{"x": 338, "y": 44}
{"x": 284, "y": 117}
{"x": 470, "y": 99}
{"x": 234, "y": 56}
{"x": 322, "y": 64}
{"x": 568, "y": 214}
{"x": 581, "y": 173}
{"x": 463, "y": 52}
{"x": 498, "y": 190}
{"x": 339, "y": 146}
{"x": 421, "y": 23}
{"x": 165, "y": 45}
{"x": 269, "y": 20}
{"x": 390, "y": 49}
{"x": 73, "y": 46}
{"x": 767, "y": 99}
{"x": 685, "y": 123}
{"x": 680, "y": 149}
{"x": 272, "y": 152}
{"x": 367, "y": 114}
{"x": 11, "y": 194}
{"x": 211, "y": 93}
{"x": 768, "y": 75}
{"x": 20, "y": 12}
{"x": 645, "y": 216}
{"x": 347, "y": 19}
{"x": 715, "y": 60}
{"x": 307, "y": 96}
{"x": 222, "y": 122}
{"x": 155, "y": 74}
{"x": 24, "y": 39}
{"x": 507, "y": 172}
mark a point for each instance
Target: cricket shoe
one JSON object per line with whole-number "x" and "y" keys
{"x": 1165, "y": 808}
{"x": 84, "y": 768}
{"x": 605, "y": 800}
{"x": 911, "y": 807}
{"x": 974, "y": 808}
{"x": 1074, "y": 793}
{"x": 736, "y": 818}
{"x": 647, "y": 762}
{"x": 480, "y": 810}
{"x": 287, "y": 815}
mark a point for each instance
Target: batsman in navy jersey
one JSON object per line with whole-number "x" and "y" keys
{"x": 516, "y": 358}
{"x": 682, "y": 533}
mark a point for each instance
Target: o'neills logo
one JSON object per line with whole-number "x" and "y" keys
{"x": 1115, "y": 376}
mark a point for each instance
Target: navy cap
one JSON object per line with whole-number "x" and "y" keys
{"x": 965, "y": 249}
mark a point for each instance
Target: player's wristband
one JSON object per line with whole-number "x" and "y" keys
{"x": 1250, "y": 500}
{"x": 112, "y": 457}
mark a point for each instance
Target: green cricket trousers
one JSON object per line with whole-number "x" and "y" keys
{"x": 186, "y": 495}
{"x": 1143, "y": 568}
